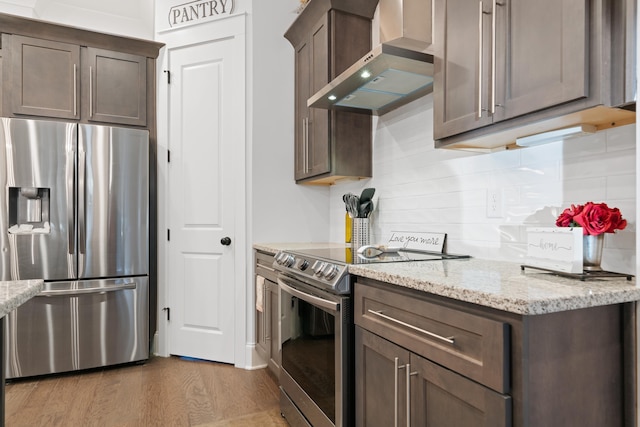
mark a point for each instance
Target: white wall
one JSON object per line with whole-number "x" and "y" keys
{"x": 282, "y": 210}
{"x": 420, "y": 188}
{"x": 121, "y": 17}
{"x": 18, "y": 7}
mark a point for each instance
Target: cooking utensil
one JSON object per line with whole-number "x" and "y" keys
{"x": 367, "y": 194}
{"x": 365, "y": 209}
{"x": 365, "y": 203}
{"x": 372, "y": 251}
{"x": 352, "y": 203}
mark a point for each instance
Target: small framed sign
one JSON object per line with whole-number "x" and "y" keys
{"x": 418, "y": 241}
{"x": 193, "y": 12}
{"x": 558, "y": 249}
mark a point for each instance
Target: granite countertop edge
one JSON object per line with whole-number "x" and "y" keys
{"x": 495, "y": 284}
{"x": 16, "y": 292}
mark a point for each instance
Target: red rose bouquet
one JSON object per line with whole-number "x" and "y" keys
{"x": 594, "y": 218}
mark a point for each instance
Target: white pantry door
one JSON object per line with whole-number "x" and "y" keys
{"x": 201, "y": 200}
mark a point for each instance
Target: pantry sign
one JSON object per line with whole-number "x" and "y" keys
{"x": 196, "y": 11}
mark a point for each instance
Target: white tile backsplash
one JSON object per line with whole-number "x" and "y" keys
{"x": 419, "y": 188}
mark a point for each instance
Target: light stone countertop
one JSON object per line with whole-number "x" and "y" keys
{"x": 496, "y": 284}
{"x": 15, "y": 293}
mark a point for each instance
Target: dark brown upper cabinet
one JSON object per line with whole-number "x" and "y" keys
{"x": 503, "y": 65}
{"x": 45, "y": 77}
{"x": 328, "y": 37}
{"x": 114, "y": 87}
{"x": 66, "y": 81}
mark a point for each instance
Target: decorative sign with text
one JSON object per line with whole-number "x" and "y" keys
{"x": 196, "y": 11}
{"x": 418, "y": 241}
{"x": 558, "y": 249}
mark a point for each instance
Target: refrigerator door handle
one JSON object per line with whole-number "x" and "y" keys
{"x": 94, "y": 290}
{"x": 82, "y": 158}
{"x": 70, "y": 231}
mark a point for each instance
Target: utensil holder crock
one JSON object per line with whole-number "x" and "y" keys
{"x": 359, "y": 233}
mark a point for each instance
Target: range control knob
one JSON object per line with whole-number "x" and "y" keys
{"x": 329, "y": 271}
{"x": 317, "y": 267}
{"x": 280, "y": 257}
{"x": 303, "y": 265}
{"x": 288, "y": 260}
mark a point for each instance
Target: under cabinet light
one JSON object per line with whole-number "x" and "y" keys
{"x": 555, "y": 135}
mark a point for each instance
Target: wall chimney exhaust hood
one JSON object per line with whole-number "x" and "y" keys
{"x": 396, "y": 72}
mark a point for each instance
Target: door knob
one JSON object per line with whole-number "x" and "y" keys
{"x": 226, "y": 241}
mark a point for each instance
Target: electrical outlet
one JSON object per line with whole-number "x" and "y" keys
{"x": 494, "y": 203}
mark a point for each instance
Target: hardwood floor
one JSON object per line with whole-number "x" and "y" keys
{"x": 162, "y": 392}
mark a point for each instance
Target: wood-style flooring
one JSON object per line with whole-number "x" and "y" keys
{"x": 162, "y": 392}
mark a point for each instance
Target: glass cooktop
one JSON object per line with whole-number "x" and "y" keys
{"x": 348, "y": 256}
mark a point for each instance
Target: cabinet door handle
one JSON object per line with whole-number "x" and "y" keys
{"x": 306, "y": 144}
{"x": 90, "y": 91}
{"x": 480, "y": 46}
{"x": 494, "y": 18}
{"x": 305, "y": 135}
{"x": 397, "y": 367}
{"x": 265, "y": 295}
{"x": 493, "y": 58}
{"x": 448, "y": 340}
{"x": 75, "y": 89}
{"x": 408, "y": 403}
{"x": 494, "y": 13}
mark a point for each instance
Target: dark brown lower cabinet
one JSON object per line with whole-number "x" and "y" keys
{"x": 268, "y": 320}
{"x": 395, "y": 387}
{"x": 425, "y": 360}
{"x": 379, "y": 380}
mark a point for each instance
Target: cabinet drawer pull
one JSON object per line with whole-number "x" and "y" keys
{"x": 448, "y": 340}
{"x": 271, "y": 269}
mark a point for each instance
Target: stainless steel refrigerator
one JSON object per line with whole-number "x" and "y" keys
{"x": 75, "y": 211}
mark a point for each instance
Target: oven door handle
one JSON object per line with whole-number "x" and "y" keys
{"x": 311, "y": 299}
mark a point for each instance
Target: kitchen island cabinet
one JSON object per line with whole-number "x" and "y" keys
{"x": 502, "y": 65}
{"x": 328, "y": 37}
{"x": 12, "y": 295}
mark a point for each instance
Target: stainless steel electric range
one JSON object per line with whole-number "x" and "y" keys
{"x": 316, "y": 331}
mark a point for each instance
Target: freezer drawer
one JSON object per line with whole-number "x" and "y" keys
{"x": 79, "y": 325}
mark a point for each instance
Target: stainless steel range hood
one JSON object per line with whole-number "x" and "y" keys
{"x": 397, "y": 71}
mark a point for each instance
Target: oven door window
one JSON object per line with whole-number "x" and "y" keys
{"x": 308, "y": 354}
